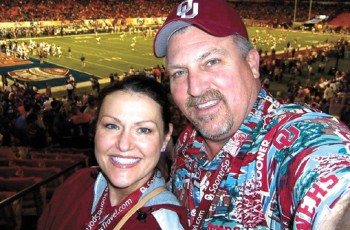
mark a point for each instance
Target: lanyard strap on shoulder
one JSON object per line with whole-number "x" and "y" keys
{"x": 138, "y": 206}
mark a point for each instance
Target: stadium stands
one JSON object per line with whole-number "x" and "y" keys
{"x": 27, "y": 205}
{"x": 35, "y": 167}
{"x": 76, "y": 10}
{"x": 341, "y": 20}
{"x": 10, "y": 217}
{"x": 67, "y": 11}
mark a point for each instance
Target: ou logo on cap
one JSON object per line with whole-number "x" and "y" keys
{"x": 185, "y": 7}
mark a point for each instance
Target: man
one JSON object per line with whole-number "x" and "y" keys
{"x": 82, "y": 59}
{"x": 70, "y": 87}
{"x": 81, "y": 126}
{"x": 69, "y": 52}
{"x": 248, "y": 162}
{"x": 59, "y": 51}
{"x": 95, "y": 85}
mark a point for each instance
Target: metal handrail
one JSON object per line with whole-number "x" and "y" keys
{"x": 36, "y": 186}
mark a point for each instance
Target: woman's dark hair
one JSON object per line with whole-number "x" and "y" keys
{"x": 142, "y": 85}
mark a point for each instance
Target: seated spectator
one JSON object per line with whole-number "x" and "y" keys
{"x": 77, "y": 117}
{"x": 36, "y": 132}
{"x": 91, "y": 106}
{"x": 337, "y": 104}
{"x": 81, "y": 123}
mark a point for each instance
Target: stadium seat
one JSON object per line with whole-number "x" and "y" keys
{"x": 17, "y": 183}
{"x": 60, "y": 163}
{"x": 7, "y": 153}
{"x": 10, "y": 215}
{"x": 31, "y": 204}
{"x": 45, "y": 173}
{"x": 76, "y": 157}
{"x": 6, "y": 162}
{"x": 10, "y": 171}
{"x": 41, "y": 155}
{"x": 29, "y": 162}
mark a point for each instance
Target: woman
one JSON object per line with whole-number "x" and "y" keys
{"x": 132, "y": 128}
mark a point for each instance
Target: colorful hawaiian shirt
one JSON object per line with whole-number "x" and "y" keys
{"x": 289, "y": 165}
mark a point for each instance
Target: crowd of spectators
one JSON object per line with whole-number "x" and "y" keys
{"x": 58, "y": 10}
{"x": 29, "y": 118}
{"x": 80, "y": 16}
{"x": 35, "y": 120}
{"x": 311, "y": 78}
{"x": 283, "y": 13}
{"x": 39, "y": 120}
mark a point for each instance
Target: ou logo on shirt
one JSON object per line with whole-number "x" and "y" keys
{"x": 286, "y": 137}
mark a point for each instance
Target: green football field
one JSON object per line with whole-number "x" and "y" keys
{"x": 113, "y": 54}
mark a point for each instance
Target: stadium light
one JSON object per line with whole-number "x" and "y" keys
{"x": 310, "y": 10}
{"x": 295, "y": 11}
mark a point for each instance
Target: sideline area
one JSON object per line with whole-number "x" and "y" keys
{"x": 39, "y": 74}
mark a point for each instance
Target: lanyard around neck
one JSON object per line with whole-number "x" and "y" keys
{"x": 104, "y": 216}
{"x": 209, "y": 193}
{"x": 233, "y": 165}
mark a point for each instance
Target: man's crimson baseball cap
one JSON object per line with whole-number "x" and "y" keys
{"x": 216, "y": 17}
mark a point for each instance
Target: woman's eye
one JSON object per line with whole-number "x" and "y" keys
{"x": 111, "y": 126}
{"x": 144, "y": 130}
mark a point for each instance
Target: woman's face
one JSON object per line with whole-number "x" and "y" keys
{"x": 129, "y": 138}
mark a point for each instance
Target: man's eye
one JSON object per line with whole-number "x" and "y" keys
{"x": 144, "y": 130}
{"x": 177, "y": 74}
{"x": 212, "y": 62}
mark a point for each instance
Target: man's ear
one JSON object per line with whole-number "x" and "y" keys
{"x": 253, "y": 59}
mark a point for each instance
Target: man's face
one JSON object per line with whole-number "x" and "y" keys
{"x": 210, "y": 81}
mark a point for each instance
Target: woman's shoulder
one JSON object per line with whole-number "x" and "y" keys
{"x": 161, "y": 216}
{"x": 82, "y": 178}
{"x": 165, "y": 197}
{"x": 89, "y": 172}
{"x": 71, "y": 202}
{"x": 166, "y": 210}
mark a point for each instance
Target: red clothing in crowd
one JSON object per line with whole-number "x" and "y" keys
{"x": 81, "y": 118}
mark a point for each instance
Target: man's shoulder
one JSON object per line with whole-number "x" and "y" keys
{"x": 298, "y": 113}
{"x": 307, "y": 120}
{"x": 293, "y": 129}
